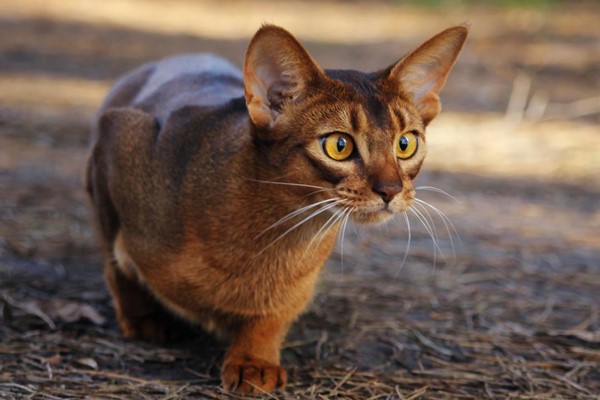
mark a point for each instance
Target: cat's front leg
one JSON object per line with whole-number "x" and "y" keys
{"x": 252, "y": 362}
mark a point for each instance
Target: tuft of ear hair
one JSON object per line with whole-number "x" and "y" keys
{"x": 422, "y": 73}
{"x": 277, "y": 69}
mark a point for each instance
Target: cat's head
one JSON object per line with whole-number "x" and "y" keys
{"x": 358, "y": 136}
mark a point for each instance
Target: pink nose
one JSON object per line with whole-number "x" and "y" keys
{"x": 387, "y": 191}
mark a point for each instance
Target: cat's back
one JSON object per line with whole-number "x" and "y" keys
{"x": 162, "y": 87}
{"x": 157, "y": 124}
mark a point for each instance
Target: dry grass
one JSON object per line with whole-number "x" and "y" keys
{"x": 511, "y": 312}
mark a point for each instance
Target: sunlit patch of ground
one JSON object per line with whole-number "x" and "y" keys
{"x": 565, "y": 152}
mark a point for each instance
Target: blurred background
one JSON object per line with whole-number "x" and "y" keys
{"x": 517, "y": 146}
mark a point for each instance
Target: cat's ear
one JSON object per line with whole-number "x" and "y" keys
{"x": 423, "y": 72}
{"x": 277, "y": 69}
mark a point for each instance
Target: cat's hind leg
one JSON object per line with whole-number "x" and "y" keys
{"x": 139, "y": 314}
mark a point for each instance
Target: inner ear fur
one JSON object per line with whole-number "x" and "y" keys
{"x": 422, "y": 73}
{"x": 277, "y": 69}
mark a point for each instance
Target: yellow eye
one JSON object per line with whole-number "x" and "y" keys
{"x": 338, "y": 146}
{"x": 407, "y": 145}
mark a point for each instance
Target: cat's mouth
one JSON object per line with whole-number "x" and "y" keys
{"x": 372, "y": 216}
{"x": 377, "y": 215}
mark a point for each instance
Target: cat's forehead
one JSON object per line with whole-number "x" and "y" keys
{"x": 369, "y": 105}
{"x": 364, "y": 83}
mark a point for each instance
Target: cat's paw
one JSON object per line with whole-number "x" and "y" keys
{"x": 252, "y": 376}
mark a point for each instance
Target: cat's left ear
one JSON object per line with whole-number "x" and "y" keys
{"x": 277, "y": 69}
{"x": 422, "y": 73}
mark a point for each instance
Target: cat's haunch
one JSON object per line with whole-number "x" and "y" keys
{"x": 218, "y": 193}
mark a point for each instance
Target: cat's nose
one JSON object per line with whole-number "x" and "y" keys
{"x": 387, "y": 191}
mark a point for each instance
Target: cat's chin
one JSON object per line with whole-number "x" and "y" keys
{"x": 372, "y": 217}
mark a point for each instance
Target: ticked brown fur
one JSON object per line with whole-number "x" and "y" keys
{"x": 197, "y": 169}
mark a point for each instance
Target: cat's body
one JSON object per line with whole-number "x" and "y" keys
{"x": 196, "y": 167}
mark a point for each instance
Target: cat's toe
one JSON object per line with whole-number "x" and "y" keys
{"x": 255, "y": 376}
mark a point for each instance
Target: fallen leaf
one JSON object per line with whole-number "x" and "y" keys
{"x": 88, "y": 362}
{"x": 586, "y": 336}
{"x": 70, "y": 311}
{"x": 32, "y": 308}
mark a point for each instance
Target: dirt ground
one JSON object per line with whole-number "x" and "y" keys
{"x": 506, "y": 306}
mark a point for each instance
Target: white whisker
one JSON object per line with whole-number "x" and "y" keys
{"x": 447, "y": 223}
{"x": 357, "y": 231}
{"x": 291, "y": 184}
{"x": 344, "y": 224}
{"x": 443, "y": 216}
{"x": 317, "y": 191}
{"x": 325, "y": 228}
{"x": 425, "y": 224}
{"x": 407, "y": 243}
{"x": 436, "y": 190}
{"x": 295, "y": 213}
{"x": 312, "y": 215}
{"x": 427, "y": 214}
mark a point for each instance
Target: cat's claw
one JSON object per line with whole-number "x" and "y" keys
{"x": 255, "y": 376}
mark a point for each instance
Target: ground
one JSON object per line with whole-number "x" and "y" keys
{"x": 503, "y": 304}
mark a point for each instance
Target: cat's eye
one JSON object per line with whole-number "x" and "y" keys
{"x": 338, "y": 146}
{"x": 407, "y": 145}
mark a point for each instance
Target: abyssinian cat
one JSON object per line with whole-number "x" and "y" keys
{"x": 218, "y": 194}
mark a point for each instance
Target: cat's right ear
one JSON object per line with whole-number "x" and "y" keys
{"x": 277, "y": 71}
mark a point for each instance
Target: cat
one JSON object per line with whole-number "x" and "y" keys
{"x": 218, "y": 194}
